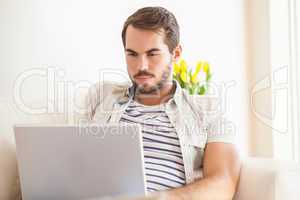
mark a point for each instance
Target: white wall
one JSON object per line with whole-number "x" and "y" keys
{"x": 81, "y": 37}
{"x": 259, "y": 67}
{"x": 272, "y": 69}
{"x": 297, "y": 81}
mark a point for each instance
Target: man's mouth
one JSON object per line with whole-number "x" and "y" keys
{"x": 143, "y": 78}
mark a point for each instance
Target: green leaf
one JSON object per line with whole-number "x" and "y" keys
{"x": 201, "y": 90}
{"x": 208, "y": 77}
{"x": 190, "y": 72}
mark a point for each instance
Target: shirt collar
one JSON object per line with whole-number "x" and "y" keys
{"x": 131, "y": 89}
{"x": 178, "y": 94}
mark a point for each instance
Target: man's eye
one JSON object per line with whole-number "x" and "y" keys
{"x": 152, "y": 54}
{"x": 131, "y": 54}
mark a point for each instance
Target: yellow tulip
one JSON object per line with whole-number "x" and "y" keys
{"x": 183, "y": 65}
{"x": 183, "y": 71}
{"x": 183, "y": 76}
{"x": 195, "y": 74}
{"x": 206, "y": 67}
{"x": 194, "y": 79}
{"x": 176, "y": 69}
{"x": 199, "y": 66}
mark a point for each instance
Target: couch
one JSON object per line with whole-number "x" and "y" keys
{"x": 261, "y": 178}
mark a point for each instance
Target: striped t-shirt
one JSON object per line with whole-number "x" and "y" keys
{"x": 162, "y": 153}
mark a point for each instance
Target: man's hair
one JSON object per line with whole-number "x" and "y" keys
{"x": 155, "y": 19}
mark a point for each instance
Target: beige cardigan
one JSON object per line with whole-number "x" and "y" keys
{"x": 197, "y": 119}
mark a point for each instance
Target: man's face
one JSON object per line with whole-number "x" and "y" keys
{"x": 149, "y": 62}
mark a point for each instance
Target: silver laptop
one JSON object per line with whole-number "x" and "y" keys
{"x": 79, "y": 162}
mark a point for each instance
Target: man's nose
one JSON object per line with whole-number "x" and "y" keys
{"x": 143, "y": 63}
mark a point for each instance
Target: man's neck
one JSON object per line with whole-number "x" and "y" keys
{"x": 159, "y": 97}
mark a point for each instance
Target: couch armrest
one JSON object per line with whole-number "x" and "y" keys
{"x": 9, "y": 185}
{"x": 268, "y": 179}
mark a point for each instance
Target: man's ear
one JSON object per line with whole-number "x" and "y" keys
{"x": 177, "y": 53}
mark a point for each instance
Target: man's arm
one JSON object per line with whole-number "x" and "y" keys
{"x": 221, "y": 169}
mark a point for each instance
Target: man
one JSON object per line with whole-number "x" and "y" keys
{"x": 187, "y": 154}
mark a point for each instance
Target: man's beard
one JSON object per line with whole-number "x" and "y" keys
{"x": 147, "y": 90}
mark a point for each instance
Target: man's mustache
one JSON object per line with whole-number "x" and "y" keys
{"x": 143, "y": 73}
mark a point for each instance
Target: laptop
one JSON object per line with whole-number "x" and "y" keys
{"x": 80, "y": 162}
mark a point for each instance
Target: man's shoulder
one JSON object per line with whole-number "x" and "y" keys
{"x": 103, "y": 92}
{"x": 109, "y": 87}
{"x": 106, "y": 90}
{"x": 203, "y": 102}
